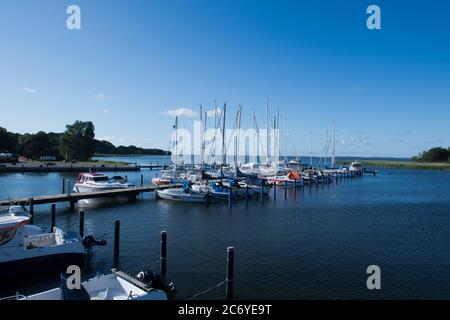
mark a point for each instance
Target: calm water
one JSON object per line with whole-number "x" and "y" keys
{"x": 316, "y": 244}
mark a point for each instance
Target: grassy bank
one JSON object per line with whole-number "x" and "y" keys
{"x": 401, "y": 164}
{"x": 80, "y": 163}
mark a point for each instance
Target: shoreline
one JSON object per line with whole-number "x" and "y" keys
{"x": 402, "y": 164}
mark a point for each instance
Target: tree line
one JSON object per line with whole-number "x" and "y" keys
{"x": 436, "y": 154}
{"x": 76, "y": 143}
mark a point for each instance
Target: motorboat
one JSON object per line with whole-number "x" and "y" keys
{"x": 88, "y": 182}
{"x": 216, "y": 189}
{"x": 356, "y": 167}
{"x": 115, "y": 286}
{"x": 183, "y": 194}
{"x": 27, "y": 248}
{"x": 290, "y": 179}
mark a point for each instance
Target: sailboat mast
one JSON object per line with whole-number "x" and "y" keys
{"x": 255, "y": 158}
{"x": 238, "y": 134}
{"x": 224, "y": 151}
{"x": 267, "y": 130}
{"x": 333, "y": 156}
{"x": 176, "y": 140}
{"x": 311, "y": 136}
{"x": 285, "y": 140}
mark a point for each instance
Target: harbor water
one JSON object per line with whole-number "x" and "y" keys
{"x": 314, "y": 244}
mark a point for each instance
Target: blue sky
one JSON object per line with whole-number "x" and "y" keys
{"x": 132, "y": 61}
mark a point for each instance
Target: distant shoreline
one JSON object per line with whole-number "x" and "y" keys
{"x": 403, "y": 164}
{"x": 104, "y": 155}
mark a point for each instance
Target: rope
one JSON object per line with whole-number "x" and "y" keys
{"x": 217, "y": 286}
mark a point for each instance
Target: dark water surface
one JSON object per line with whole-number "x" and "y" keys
{"x": 316, "y": 244}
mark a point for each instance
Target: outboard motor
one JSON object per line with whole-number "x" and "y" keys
{"x": 154, "y": 280}
{"x": 90, "y": 241}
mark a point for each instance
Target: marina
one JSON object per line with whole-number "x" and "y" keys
{"x": 304, "y": 217}
{"x": 221, "y": 156}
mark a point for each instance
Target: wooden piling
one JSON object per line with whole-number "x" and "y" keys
{"x": 53, "y": 219}
{"x": 262, "y": 191}
{"x": 116, "y": 243}
{"x": 230, "y": 273}
{"x": 142, "y": 180}
{"x": 229, "y": 197}
{"x": 163, "y": 255}
{"x": 63, "y": 189}
{"x": 81, "y": 224}
{"x": 285, "y": 189}
{"x": 246, "y": 195}
{"x": 30, "y": 201}
{"x": 274, "y": 192}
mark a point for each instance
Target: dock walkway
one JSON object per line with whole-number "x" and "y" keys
{"x": 74, "y": 197}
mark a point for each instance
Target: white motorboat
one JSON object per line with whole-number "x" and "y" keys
{"x": 356, "y": 167}
{"x": 182, "y": 195}
{"x": 27, "y": 248}
{"x": 114, "y": 286}
{"x": 88, "y": 182}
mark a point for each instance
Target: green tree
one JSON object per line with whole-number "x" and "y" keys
{"x": 34, "y": 146}
{"x": 77, "y": 142}
{"x": 437, "y": 154}
{"x": 8, "y": 141}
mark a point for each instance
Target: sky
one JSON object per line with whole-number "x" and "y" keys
{"x": 136, "y": 64}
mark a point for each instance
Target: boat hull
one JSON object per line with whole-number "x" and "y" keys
{"x": 181, "y": 197}
{"x": 40, "y": 264}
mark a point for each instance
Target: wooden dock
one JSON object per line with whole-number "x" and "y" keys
{"x": 22, "y": 168}
{"x": 76, "y": 196}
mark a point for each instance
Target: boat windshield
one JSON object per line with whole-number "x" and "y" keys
{"x": 6, "y": 236}
{"x": 99, "y": 179}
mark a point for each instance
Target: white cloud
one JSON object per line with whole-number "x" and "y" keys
{"x": 212, "y": 112}
{"x": 99, "y": 96}
{"x": 181, "y": 112}
{"x": 107, "y": 138}
{"x": 29, "y": 90}
{"x": 105, "y": 110}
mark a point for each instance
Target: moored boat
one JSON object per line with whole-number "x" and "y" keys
{"x": 182, "y": 195}
{"x": 27, "y": 248}
{"x": 88, "y": 182}
{"x": 115, "y": 286}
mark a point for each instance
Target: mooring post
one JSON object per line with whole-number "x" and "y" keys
{"x": 229, "y": 197}
{"x": 81, "y": 224}
{"x": 274, "y": 192}
{"x": 262, "y": 191}
{"x": 116, "y": 243}
{"x": 67, "y": 187}
{"x": 142, "y": 180}
{"x": 246, "y": 195}
{"x": 163, "y": 255}
{"x": 285, "y": 189}
{"x": 63, "y": 190}
{"x": 53, "y": 220}
{"x": 30, "y": 201}
{"x": 230, "y": 273}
